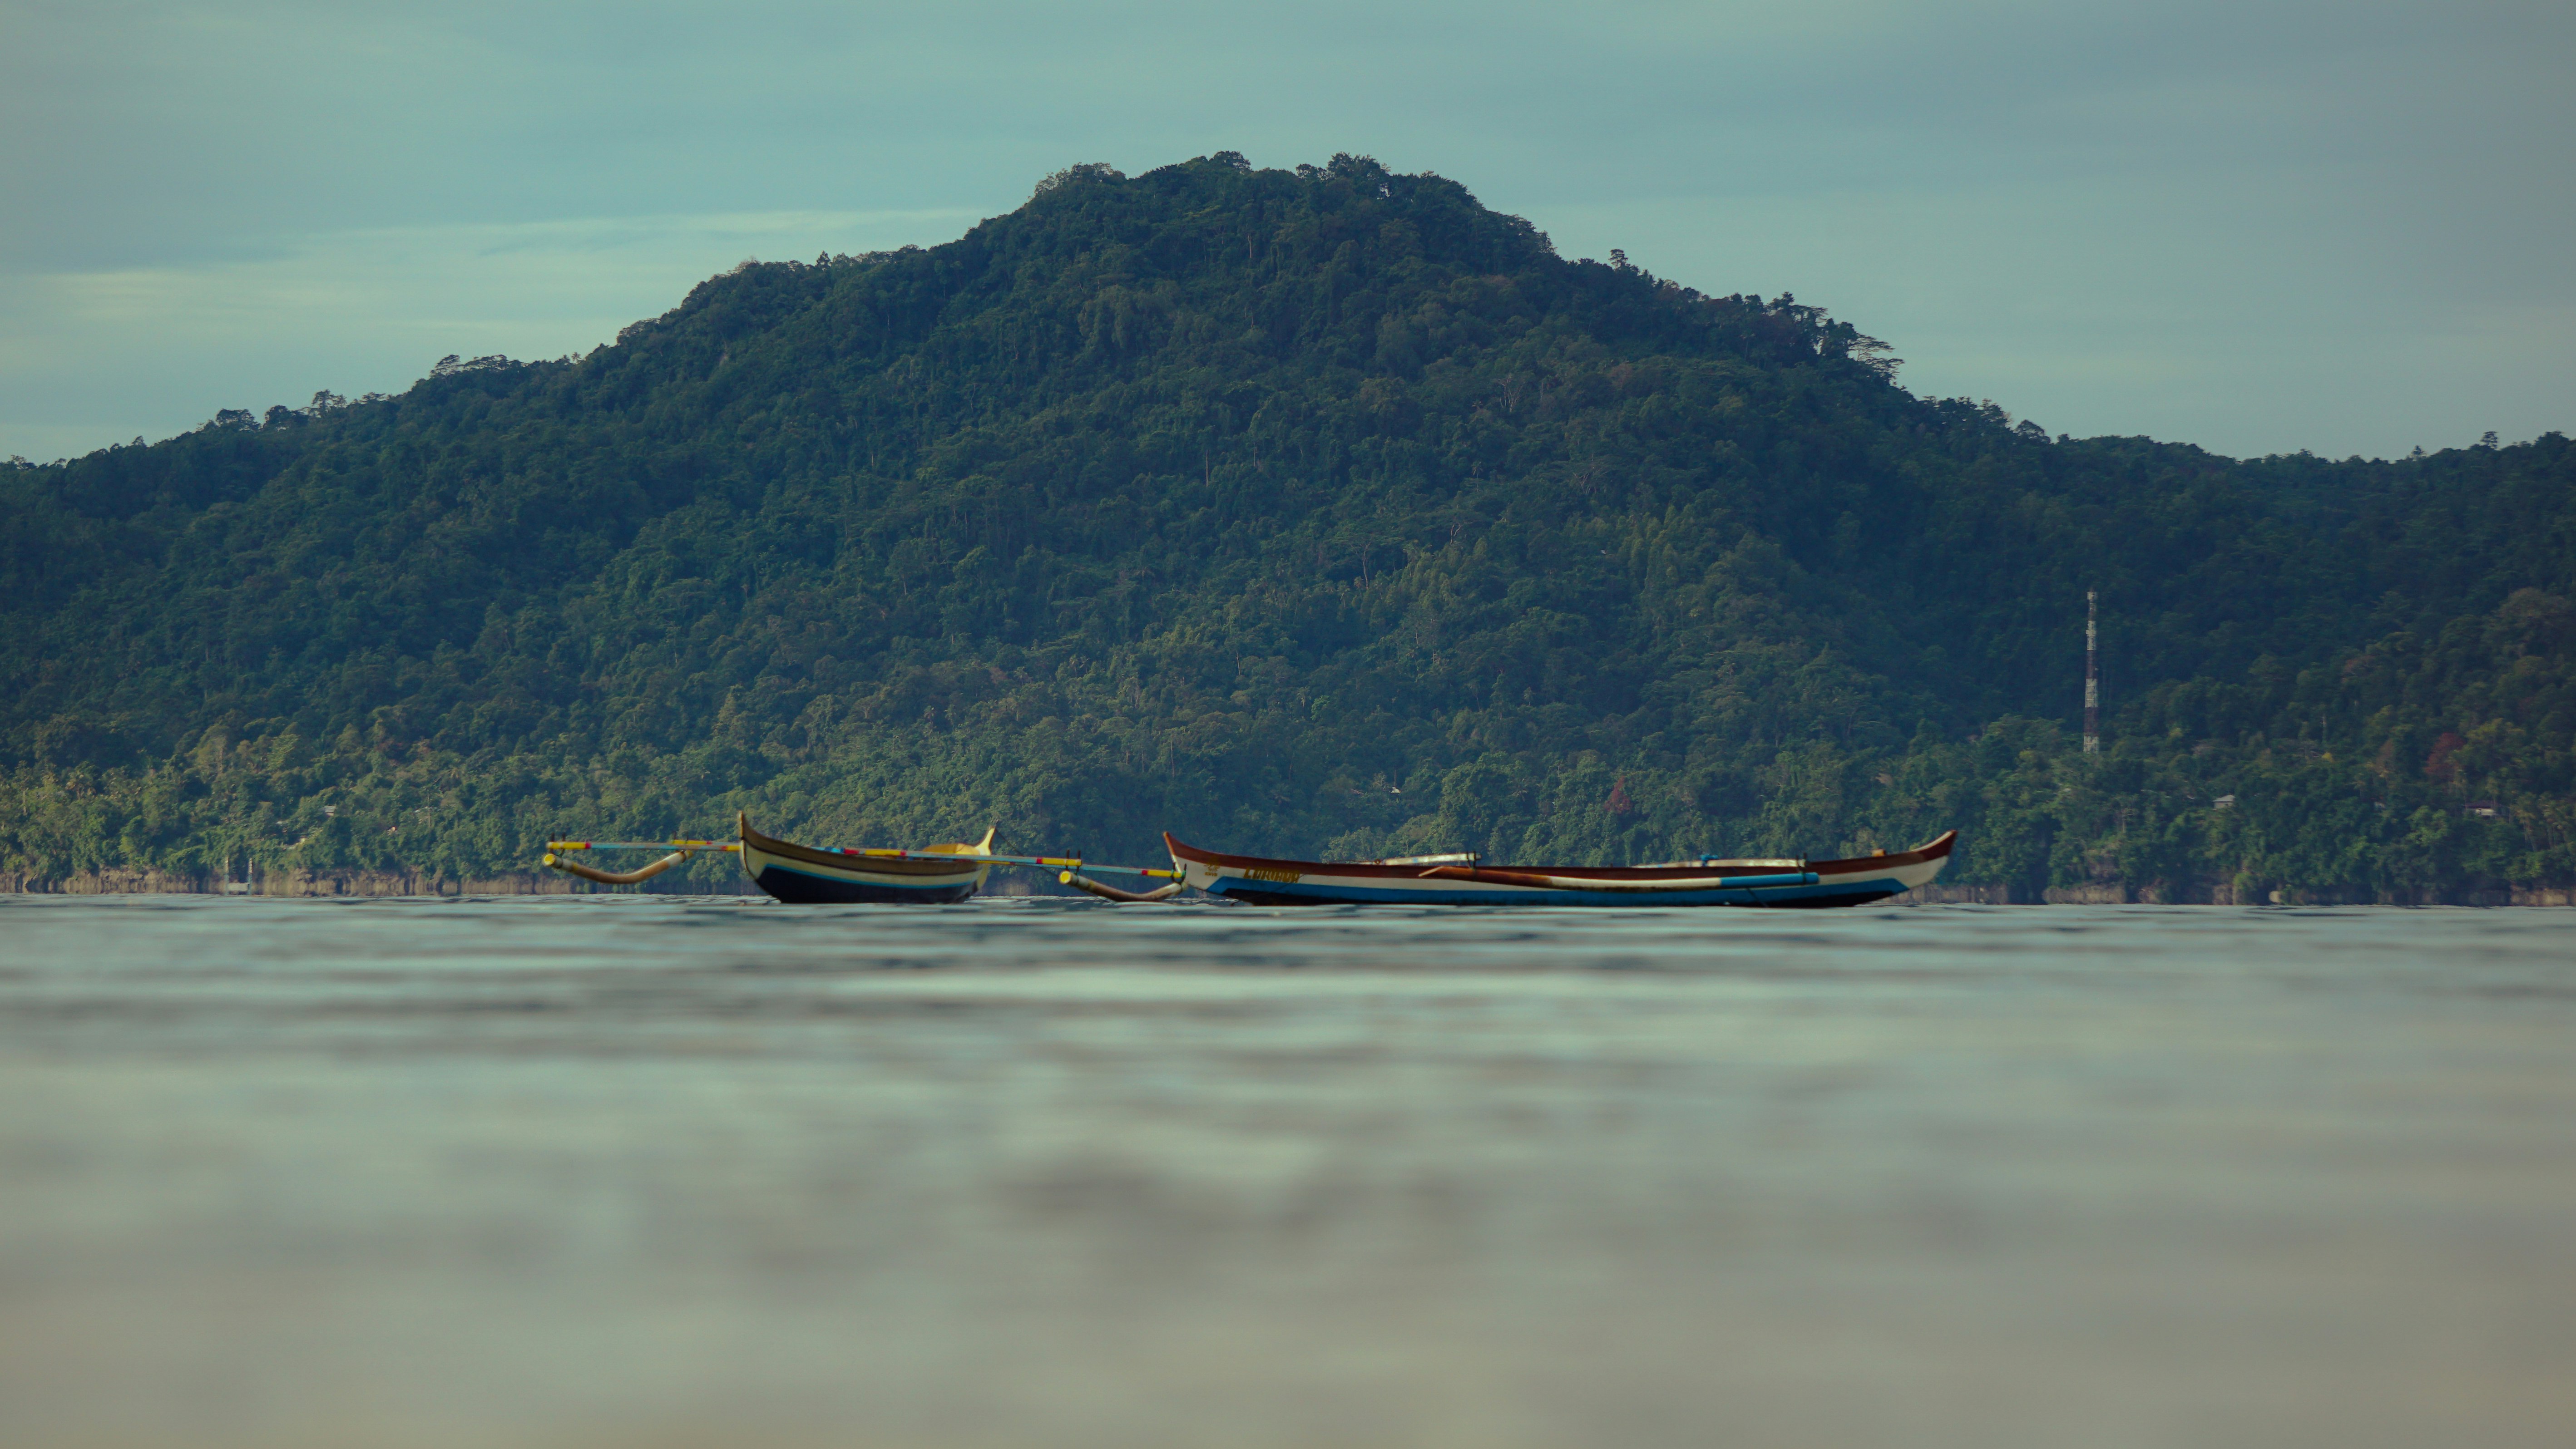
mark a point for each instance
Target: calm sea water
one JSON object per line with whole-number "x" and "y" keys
{"x": 648, "y": 1171}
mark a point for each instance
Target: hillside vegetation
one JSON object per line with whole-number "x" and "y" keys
{"x": 1311, "y": 511}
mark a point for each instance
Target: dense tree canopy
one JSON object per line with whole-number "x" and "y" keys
{"x": 1320, "y": 510}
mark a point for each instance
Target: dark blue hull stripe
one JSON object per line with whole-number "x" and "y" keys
{"x": 1299, "y": 893}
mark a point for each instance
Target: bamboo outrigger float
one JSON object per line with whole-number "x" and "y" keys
{"x": 1458, "y": 880}
{"x": 558, "y": 857}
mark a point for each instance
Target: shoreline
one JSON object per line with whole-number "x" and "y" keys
{"x": 292, "y": 884}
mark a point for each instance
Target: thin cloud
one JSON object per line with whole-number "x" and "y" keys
{"x": 2194, "y": 221}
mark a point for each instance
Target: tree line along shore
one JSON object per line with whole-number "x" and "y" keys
{"x": 1320, "y": 512}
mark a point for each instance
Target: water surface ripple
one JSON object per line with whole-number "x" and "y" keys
{"x": 660, "y": 1170}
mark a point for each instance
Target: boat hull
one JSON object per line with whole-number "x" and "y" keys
{"x": 804, "y": 875}
{"x": 1810, "y": 885}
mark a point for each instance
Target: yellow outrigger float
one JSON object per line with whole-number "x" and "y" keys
{"x": 557, "y": 852}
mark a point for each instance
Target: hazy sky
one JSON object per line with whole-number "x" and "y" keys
{"x": 2256, "y": 226}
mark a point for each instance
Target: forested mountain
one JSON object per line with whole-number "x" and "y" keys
{"x": 1311, "y": 511}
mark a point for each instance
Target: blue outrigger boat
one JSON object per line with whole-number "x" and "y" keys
{"x": 1459, "y": 880}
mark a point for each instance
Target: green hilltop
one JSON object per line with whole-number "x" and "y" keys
{"x": 1312, "y": 511}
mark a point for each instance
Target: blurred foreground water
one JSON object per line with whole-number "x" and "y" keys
{"x": 665, "y": 1171}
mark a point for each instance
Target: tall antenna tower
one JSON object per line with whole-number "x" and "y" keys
{"x": 2092, "y": 681}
